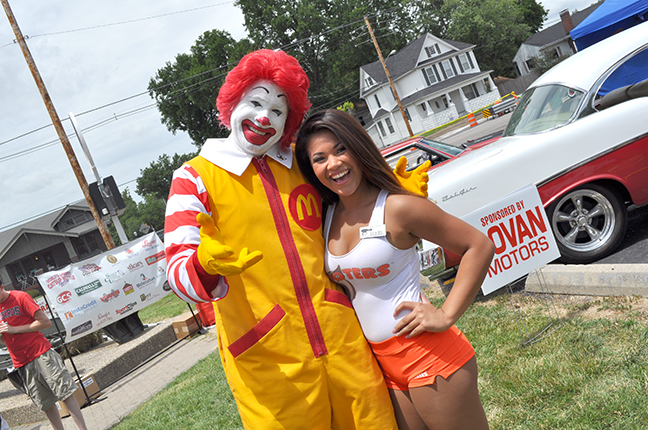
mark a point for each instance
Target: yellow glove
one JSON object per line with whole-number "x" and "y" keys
{"x": 216, "y": 257}
{"x": 414, "y": 181}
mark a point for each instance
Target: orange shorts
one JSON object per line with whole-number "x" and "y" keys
{"x": 415, "y": 362}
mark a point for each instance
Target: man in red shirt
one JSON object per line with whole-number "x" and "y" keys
{"x": 45, "y": 378}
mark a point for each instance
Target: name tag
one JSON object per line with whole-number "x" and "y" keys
{"x": 373, "y": 231}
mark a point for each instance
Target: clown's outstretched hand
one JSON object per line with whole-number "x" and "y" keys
{"x": 414, "y": 181}
{"x": 216, "y": 257}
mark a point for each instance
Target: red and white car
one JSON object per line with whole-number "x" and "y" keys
{"x": 586, "y": 152}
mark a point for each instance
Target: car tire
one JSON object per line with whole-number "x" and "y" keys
{"x": 589, "y": 223}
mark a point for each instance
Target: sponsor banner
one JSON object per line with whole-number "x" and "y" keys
{"x": 97, "y": 292}
{"x": 518, "y": 226}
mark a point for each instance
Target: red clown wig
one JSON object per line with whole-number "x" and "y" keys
{"x": 275, "y": 66}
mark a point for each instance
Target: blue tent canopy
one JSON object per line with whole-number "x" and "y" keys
{"x": 609, "y": 18}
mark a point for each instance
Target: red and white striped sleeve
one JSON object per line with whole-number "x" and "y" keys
{"x": 188, "y": 280}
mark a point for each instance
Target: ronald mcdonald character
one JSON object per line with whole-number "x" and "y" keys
{"x": 243, "y": 230}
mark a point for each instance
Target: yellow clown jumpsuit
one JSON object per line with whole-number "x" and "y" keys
{"x": 291, "y": 346}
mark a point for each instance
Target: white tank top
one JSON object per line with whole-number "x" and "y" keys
{"x": 378, "y": 275}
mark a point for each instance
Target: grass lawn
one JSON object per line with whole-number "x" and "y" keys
{"x": 591, "y": 373}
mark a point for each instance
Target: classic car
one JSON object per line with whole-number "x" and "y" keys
{"x": 580, "y": 135}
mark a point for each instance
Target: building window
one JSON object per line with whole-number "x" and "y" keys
{"x": 437, "y": 48}
{"x": 446, "y": 68}
{"x": 381, "y": 128}
{"x": 377, "y": 101}
{"x": 369, "y": 81}
{"x": 470, "y": 91}
{"x": 428, "y": 74}
{"x": 444, "y": 99}
{"x": 390, "y": 127}
{"x": 487, "y": 85}
{"x": 409, "y": 118}
{"x": 558, "y": 52}
{"x": 429, "y": 50}
{"x": 464, "y": 64}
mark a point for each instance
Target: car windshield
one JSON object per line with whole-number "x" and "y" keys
{"x": 419, "y": 152}
{"x": 544, "y": 108}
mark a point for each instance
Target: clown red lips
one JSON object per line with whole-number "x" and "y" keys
{"x": 258, "y": 120}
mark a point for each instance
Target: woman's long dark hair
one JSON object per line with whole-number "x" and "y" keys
{"x": 356, "y": 140}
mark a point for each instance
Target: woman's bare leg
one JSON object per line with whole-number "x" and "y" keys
{"x": 453, "y": 403}
{"x": 406, "y": 415}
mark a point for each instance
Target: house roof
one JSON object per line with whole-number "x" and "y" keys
{"x": 406, "y": 59}
{"x": 44, "y": 225}
{"x": 440, "y": 86}
{"x": 557, "y": 31}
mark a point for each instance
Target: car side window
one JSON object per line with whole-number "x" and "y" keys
{"x": 629, "y": 80}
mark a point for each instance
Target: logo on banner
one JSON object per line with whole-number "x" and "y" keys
{"x": 150, "y": 244}
{"x": 80, "y": 310}
{"x": 86, "y": 326}
{"x": 128, "y": 288}
{"x": 68, "y": 315}
{"x": 155, "y": 258}
{"x": 111, "y": 259}
{"x": 130, "y": 253}
{"x": 59, "y": 280}
{"x": 114, "y": 277}
{"x": 145, "y": 297}
{"x": 135, "y": 266}
{"x": 145, "y": 281}
{"x": 108, "y": 297}
{"x": 104, "y": 318}
{"x": 64, "y": 297}
{"x": 126, "y": 308}
{"x": 89, "y": 269}
{"x": 85, "y": 289}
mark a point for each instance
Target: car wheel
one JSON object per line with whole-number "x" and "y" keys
{"x": 588, "y": 222}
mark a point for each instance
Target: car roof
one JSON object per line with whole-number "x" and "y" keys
{"x": 583, "y": 69}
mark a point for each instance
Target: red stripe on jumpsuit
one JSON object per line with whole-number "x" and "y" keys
{"x": 294, "y": 263}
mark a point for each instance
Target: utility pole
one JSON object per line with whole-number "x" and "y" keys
{"x": 391, "y": 83}
{"x": 76, "y": 168}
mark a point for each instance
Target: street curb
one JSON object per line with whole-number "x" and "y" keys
{"x": 592, "y": 279}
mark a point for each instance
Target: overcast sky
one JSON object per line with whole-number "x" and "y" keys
{"x": 94, "y": 54}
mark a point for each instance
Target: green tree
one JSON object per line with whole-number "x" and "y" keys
{"x": 496, "y": 27}
{"x": 185, "y": 90}
{"x": 329, "y": 38}
{"x": 534, "y": 14}
{"x": 155, "y": 180}
{"x": 150, "y": 211}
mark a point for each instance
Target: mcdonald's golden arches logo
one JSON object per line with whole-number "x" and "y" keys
{"x": 306, "y": 207}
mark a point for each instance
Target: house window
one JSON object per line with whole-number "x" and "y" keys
{"x": 85, "y": 244}
{"x": 428, "y": 74}
{"x": 470, "y": 91}
{"x": 381, "y": 128}
{"x": 437, "y": 48}
{"x": 487, "y": 85}
{"x": 390, "y": 126}
{"x": 429, "y": 50}
{"x": 446, "y": 68}
{"x": 558, "y": 52}
{"x": 444, "y": 99}
{"x": 369, "y": 81}
{"x": 464, "y": 64}
{"x": 409, "y": 118}
{"x": 377, "y": 101}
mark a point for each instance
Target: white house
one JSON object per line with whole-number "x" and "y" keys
{"x": 437, "y": 81}
{"x": 552, "y": 42}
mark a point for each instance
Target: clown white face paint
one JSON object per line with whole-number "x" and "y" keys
{"x": 258, "y": 120}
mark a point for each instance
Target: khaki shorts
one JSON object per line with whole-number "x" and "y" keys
{"x": 47, "y": 380}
